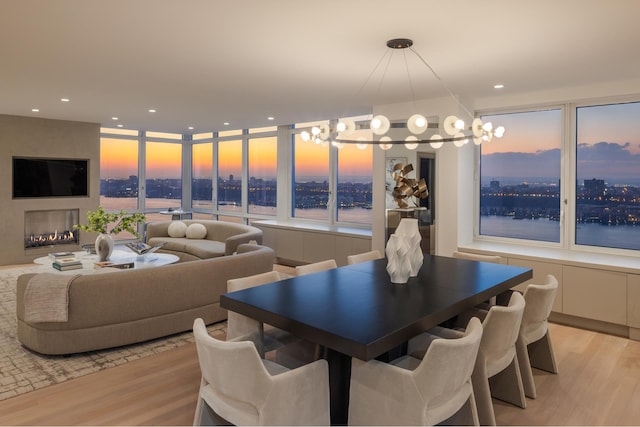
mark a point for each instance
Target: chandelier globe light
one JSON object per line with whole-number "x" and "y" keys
{"x": 452, "y": 129}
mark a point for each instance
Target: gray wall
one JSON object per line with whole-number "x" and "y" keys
{"x": 35, "y": 137}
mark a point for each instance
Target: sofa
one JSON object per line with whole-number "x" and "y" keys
{"x": 209, "y": 239}
{"x": 120, "y": 307}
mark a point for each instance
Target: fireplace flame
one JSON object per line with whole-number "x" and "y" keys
{"x": 52, "y": 238}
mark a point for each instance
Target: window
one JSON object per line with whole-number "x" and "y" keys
{"x": 119, "y": 174}
{"x": 607, "y": 176}
{"x": 202, "y": 176}
{"x": 355, "y": 180}
{"x": 230, "y": 176}
{"x": 310, "y": 179}
{"x": 262, "y": 179}
{"x": 520, "y": 177}
{"x": 164, "y": 175}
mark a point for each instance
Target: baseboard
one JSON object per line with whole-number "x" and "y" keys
{"x": 594, "y": 325}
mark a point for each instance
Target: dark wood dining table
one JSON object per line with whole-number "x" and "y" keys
{"x": 355, "y": 311}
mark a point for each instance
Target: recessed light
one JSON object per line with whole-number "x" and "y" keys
{"x": 35, "y": 110}
{"x": 270, "y": 118}
{"x": 190, "y": 128}
{"x": 120, "y": 126}
{"x": 65, "y": 99}
{"x": 114, "y": 118}
{"x": 151, "y": 110}
{"x": 498, "y": 86}
{"x": 226, "y": 123}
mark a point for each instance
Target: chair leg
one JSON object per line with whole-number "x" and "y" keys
{"x": 197, "y": 418}
{"x": 482, "y": 393}
{"x": 507, "y": 385}
{"x": 541, "y": 355}
{"x": 467, "y": 415}
{"x": 525, "y": 369}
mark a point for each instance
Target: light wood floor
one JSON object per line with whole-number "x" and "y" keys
{"x": 598, "y": 384}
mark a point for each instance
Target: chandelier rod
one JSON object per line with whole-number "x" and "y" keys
{"x": 441, "y": 81}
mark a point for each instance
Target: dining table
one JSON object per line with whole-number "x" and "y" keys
{"x": 356, "y": 311}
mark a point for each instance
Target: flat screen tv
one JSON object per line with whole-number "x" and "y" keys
{"x": 49, "y": 177}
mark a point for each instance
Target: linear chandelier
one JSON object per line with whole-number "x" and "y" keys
{"x": 452, "y": 128}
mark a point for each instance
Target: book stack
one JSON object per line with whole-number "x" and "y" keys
{"x": 59, "y": 255}
{"x": 120, "y": 265}
{"x": 64, "y": 264}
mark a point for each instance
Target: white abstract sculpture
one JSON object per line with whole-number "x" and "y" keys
{"x": 398, "y": 265}
{"x": 408, "y": 229}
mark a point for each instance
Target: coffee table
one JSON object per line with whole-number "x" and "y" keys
{"x": 119, "y": 255}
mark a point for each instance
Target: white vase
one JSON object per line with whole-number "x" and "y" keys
{"x": 398, "y": 265}
{"x": 104, "y": 246}
{"x": 408, "y": 228}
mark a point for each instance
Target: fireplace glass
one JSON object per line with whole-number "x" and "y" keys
{"x": 50, "y": 228}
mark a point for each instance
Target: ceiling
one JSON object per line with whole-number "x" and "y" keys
{"x": 201, "y": 63}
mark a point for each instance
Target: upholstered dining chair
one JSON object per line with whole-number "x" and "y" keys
{"x": 496, "y": 372}
{"x": 241, "y": 388}
{"x": 534, "y": 344}
{"x": 316, "y": 267}
{"x": 477, "y": 257}
{"x": 410, "y": 391}
{"x": 365, "y": 256}
{"x": 266, "y": 337}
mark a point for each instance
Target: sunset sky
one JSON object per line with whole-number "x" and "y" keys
{"x": 119, "y": 159}
{"x": 608, "y": 144}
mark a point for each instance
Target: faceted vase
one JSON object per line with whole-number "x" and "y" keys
{"x": 104, "y": 246}
{"x": 408, "y": 228}
{"x": 398, "y": 265}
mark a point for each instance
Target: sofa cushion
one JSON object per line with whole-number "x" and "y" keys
{"x": 205, "y": 248}
{"x": 174, "y": 244}
{"x": 196, "y": 231}
{"x": 177, "y": 229}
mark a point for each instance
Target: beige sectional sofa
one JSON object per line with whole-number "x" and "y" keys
{"x": 222, "y": 238}
{"x": 110, "y": 309}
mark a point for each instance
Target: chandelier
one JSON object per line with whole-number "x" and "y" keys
{"x": 452, "y": 129}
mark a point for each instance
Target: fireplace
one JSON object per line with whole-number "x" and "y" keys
{"x": 49, "y": 228}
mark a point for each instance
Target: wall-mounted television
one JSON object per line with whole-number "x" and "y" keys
{"x": 50, "y": 177}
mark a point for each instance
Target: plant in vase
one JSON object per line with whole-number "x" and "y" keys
{"x": 98, "y": 221}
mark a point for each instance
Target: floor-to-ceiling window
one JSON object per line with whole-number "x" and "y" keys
{"x": 354, "y": 182}
{"x": 229, "y": 180}
{"x": 119, "y": 173}
{"x": 520, "y": 177}
{"x": 262, "y": 163}
{"x": 202, "y": 176}
{"x": 607, "y": 193}
{"x": 310, "y": 179}
{"x": 332, "y": 182}
{"x": 593, "y": 148}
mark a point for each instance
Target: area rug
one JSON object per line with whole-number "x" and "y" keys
{"x": 22, "y": 370}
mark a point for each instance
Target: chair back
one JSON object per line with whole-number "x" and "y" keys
{"x": 448, "y": 364}
{"x": 539, "y": 301}
{"x": 476, "y": 257}
{"x": 501, "y": 327}
{"x": 366, "y": 256}
{"x": 239, "y": 325}
{"x": 315, "y": 267}
{"x": 233, "y": 370}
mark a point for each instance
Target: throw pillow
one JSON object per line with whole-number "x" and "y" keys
{"x": 177, "y": 229}
{"x": 196, "y": 231}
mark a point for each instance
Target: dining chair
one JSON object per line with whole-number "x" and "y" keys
{"x": 366, "y": 256}
{"x": 239, "y": 387}
{"x": 477, "y": 257}
{"x": 534, "y": 344}
{"x": 316, "y": 267}
{"x": 496, "y": 259}
{"x": 497, "y": 372}
{"x": 410, "y": 391}
{"x": 266, "y": 337}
